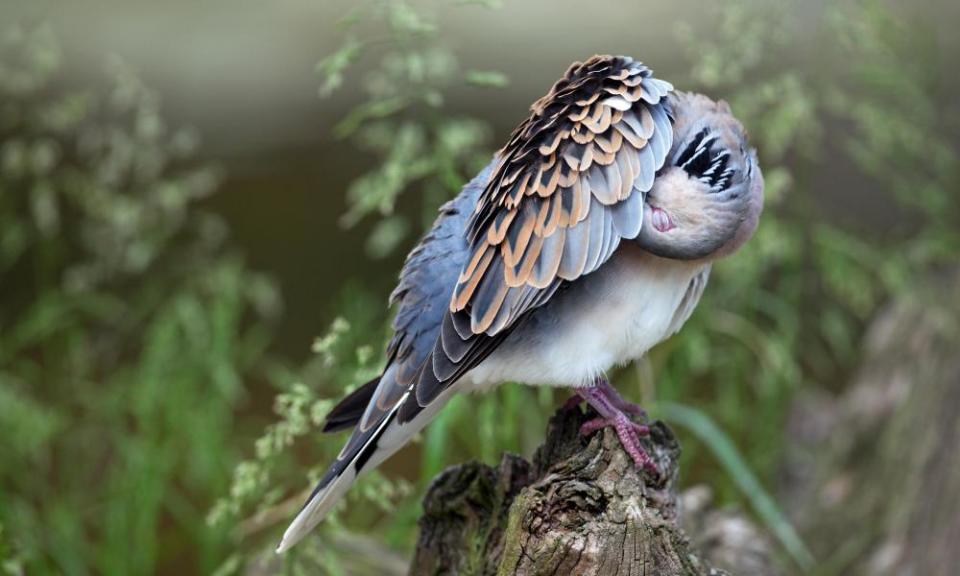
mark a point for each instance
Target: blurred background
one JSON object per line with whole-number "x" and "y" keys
{"x": 204, "y": 205}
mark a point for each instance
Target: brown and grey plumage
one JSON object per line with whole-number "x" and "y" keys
{"x": 586, "y": 241}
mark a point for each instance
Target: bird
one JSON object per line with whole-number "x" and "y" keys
{"x": 587, "y": 240}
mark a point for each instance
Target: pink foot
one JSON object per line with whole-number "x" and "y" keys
{"x": 599, "y": 423}
{"x": 629, "y": 433}
{"x": 611, "y": 408}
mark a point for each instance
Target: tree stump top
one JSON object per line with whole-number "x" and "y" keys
{"x": 580, "y": 508}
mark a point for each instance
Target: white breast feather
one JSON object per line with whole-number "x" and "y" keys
{"x": 606, "y": 319}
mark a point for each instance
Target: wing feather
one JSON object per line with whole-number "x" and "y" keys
{"x": 628, "y": 216}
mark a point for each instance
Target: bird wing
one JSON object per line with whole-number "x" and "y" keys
{"x": 567, "y": 188}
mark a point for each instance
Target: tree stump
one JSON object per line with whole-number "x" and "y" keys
{"x": 581, "y": 508}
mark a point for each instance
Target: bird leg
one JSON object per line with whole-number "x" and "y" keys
{"x": 612, "y": 395}
{"x": 613, "y": 410}
{"x": 619, "y": 401}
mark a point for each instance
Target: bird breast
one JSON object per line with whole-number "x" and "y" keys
{"x": 606, "y": 319}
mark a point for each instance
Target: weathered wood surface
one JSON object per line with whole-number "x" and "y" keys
{"x": 581, "y": 508}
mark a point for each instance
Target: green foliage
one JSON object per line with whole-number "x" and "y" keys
{"x": 418, "y": 146}
{"x": 11, "y": 563}
{"x": 904, "y": 135}
{"x": 126, "y": 327}
{"x": 255, "y": 505}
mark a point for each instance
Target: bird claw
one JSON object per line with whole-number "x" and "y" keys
{"x": 629, "y": 433}
{"x": 591, "y": 426}
{"x": 613, "y": 410}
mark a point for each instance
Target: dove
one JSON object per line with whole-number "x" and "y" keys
{"x": 587, "y": 240}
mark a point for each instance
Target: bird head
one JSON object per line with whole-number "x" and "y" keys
{"x": 706, "y": 200}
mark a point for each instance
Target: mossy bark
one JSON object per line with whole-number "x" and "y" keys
{"x": 581, "y": 508}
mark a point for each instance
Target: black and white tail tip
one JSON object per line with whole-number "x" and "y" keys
{"x": 341, "y": 475}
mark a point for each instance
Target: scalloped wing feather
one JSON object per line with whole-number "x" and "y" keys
{"x": 568, "y": 188}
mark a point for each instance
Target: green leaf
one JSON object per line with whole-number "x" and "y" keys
{"x": 333, "y": 66}
{"x": 372, "y": 110}
{"x": 487, "y": 78}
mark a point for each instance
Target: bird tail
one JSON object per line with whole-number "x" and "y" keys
{"x": 348, "y": 413}
{"x": 366, "y": 449}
